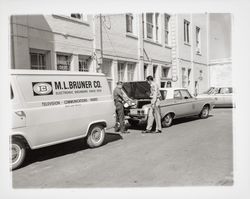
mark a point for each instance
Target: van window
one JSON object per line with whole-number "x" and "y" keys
{"x": 11, "y": 93}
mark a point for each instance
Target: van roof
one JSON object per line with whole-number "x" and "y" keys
{"x": 174, "y": 88}
{"x": 51, "y": 72}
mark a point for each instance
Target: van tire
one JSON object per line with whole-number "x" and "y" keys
{"x": 96, "y": 136}
{"x": 18, "y": 153}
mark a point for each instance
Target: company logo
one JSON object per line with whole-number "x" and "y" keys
{"x": 42, "y": 88}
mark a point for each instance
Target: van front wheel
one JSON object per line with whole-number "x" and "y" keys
{"x": 18, "y": 153}
{"x": 96, "y": 136}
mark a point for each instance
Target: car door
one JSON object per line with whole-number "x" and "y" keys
{"x": 189, "y": 102}
{"x": 227, "y": 96}
{"x": 218, "y": 97}
{"x": 182, "y": 102}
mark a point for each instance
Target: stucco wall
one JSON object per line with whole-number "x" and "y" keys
{"x": 221, "y": 74}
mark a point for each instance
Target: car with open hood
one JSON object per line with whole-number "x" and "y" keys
{"x": 174, "y": 103}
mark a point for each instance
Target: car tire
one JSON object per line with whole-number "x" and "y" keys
{"x": 167, "y": 120}
{"x": 96, "y": 136}
{"x": 18, "y": 153}
{"x": 204, "y": 112}
{"x": 133, "y": 122}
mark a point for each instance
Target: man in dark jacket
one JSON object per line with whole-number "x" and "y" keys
{"x": 119, "y": 100}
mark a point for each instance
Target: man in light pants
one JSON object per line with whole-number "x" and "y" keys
{"x": 154, "y": 111}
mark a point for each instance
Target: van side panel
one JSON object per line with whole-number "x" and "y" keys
{"x": 61, "y": 107}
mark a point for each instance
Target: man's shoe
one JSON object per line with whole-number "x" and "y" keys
{"x": 147, "y": 131}
{"x": 159, "y": 131}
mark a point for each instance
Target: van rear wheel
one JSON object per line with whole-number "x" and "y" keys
{"x": 18, "y": 153}
{"x": 96, "y": 136}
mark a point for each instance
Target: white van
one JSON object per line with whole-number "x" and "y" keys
{"x": 51, "y": 107}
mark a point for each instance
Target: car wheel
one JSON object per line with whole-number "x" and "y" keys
{"x": 167, "y": 120}
{"x": 133, "y": 122}
{"x": 204, "y": 112}
{"x": 96, "y": 136}
{"x": 18, "y": 153}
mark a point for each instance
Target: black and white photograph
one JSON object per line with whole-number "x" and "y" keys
{"x": 122, "y": 100}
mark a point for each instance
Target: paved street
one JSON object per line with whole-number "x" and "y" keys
{"x": 191, "y": 152}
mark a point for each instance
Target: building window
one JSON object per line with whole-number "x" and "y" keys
{"x": 129, "y": 23}
{"x": 150, "y": 25}
{"x": 157, "y": 27}
{"x": 184, "y": 77}
{"x": 186, "y": 31}
{"x": 39, "y": 59}
{"x": 107, "y": 70}
{"x": 63, "y": 62}
{"x": 107, "y": 67}
{"x": 131, "y": 71}
{"x": 198, "y": 40}
{"x": 165, "y": 72}
{"x": 154, "y": 71}
{"x": 83, "y": 64}
{"x": 145, "y": 71}
{"x": 79, "y": 16}
{"x": 189, "y": 76}
{"x": 121, "y": 71}
{"x": 166, "y": 27}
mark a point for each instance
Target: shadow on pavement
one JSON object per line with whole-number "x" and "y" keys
{"x": 62, "y": 149}
{"x": 175, "y": 121}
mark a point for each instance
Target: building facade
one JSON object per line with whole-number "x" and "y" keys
{"x": 126, "y": 47}
{"x": 190, "y": 52}
{"x": 220, "y": 62}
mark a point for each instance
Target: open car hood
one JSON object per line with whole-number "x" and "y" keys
{"x": 137, "y": 90}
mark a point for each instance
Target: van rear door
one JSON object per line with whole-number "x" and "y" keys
{"x": 18, "y": 115}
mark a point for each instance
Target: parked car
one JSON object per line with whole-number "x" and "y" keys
{"x": 175, "y": 103}
{"x": 223, "y": 96}
{"x": 51, "y": 107}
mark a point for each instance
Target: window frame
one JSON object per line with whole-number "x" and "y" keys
{"x": 157, "y": 27}
{"x": 150, "y": 24}
{"x": 162, "y": 72}
{"x": 129, "y": 23}
{"x": 39, "y": 53}
{"x": 186, "y": 32}
{"x": 166, "y": 29}
{"x": 121, "y": 65}
{"x": 133, "y": 67}
{"x": 83, "y": 18}
{"x": 198, "y": 40}
{"x": 85, "y": 62}
{"x": 64, "y": 54}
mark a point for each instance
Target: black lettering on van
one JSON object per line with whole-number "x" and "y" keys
{"x": 97, "y": 84}
{"x": 58, "y": 85}
{"x": 65, "y": 86}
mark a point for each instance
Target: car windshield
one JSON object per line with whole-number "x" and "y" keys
{"x": 211, "y": 90}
